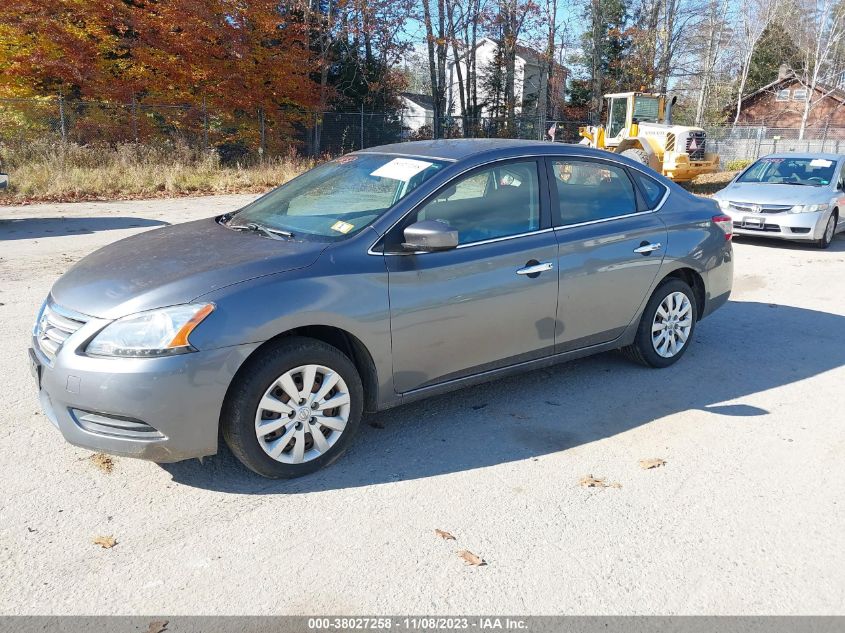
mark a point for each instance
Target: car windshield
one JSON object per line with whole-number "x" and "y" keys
{"x": 336, "y": 199}
{"x": 813, "y": 172}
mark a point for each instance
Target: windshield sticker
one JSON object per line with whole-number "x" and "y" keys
{"x": 342, "y": 227}
{"x": 820, "y": 162}
{"x": 401, "y": 169}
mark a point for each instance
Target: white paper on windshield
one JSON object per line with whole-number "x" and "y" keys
{"x": 820, "y": 162}
{"x": 401, "y": 169}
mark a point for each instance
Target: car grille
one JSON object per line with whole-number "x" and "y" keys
{"x": 747, "y": 207}
{"x": 54, "y": 327}
{"x": 700, "y": 144}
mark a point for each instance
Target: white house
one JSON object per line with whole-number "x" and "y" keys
{"x": 529, "y": 79}
{"x": 418, "y": 110}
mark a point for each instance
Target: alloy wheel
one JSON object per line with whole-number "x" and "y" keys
{"x": 672, "y": 324}
{"x": 830, "y": 228}
{"x": 302, "y": 414}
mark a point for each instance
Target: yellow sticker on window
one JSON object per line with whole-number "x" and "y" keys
{"x": 342, "y": 227}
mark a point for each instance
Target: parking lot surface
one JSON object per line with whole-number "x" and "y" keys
{"x": 746, "y": 516}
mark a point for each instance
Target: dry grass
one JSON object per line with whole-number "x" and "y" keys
{"x": 57, "y": 172}
{"x": 708, "y": 184}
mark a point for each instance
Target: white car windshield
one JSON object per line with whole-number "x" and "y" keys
{"x": 813, "y": 172}
{"x": 336, "y": 199}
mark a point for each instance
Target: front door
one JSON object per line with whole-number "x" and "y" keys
{"x": 611, "y": 249}
{"x": 491, "y": 301}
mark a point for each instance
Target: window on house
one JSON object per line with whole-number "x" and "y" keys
{"x": 783, "y": 95}
{"x": 799, "y": 95}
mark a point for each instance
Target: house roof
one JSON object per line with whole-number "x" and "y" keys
{"x": 523, "y": 51}
{"x": 835, "y": 93}
{"x": 423, "y": 101}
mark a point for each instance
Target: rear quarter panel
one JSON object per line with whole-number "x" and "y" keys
{"x": 696, "y": 242}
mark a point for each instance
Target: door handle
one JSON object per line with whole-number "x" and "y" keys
{"x": 645, "y": 248}
{"x": 535, "y": 269}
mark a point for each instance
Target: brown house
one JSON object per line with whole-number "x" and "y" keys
{"x": 781, "y": 104}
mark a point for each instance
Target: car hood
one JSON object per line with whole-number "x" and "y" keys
{"x": 761, "y": 193}
{"x": 174, "y": 265}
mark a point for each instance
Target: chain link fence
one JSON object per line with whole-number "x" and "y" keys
{"x": 244, "y": 136}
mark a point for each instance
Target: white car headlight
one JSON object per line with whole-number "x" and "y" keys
{"x": 808, "y": 208}
{"x": 155, "y": 333}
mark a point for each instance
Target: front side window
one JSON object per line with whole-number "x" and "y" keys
{"x": 812, "y": 172}
{"x": 589, "y": 190}
{"x": 338, "y": 198}
{"x": 491, "y": 202}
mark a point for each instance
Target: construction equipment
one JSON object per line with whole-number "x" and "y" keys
{"x": 639, "y": 126}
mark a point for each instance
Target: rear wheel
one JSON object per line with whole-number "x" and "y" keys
{"x": 666, "y": 327}
{"x": 829, "y": 231}
{"x": 637, "y": 154}
{"x": 293, "y": 409}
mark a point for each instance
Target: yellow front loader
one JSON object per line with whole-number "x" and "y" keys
{"x": 639, "y": 126}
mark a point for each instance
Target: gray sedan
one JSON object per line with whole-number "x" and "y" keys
{"x": 381, "y": 277}
{"x": 788, "y": 196}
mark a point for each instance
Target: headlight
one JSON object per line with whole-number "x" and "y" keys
{"x": 808, "y": 208}
{"x": 724, "y": 204}
{"x": 155, "y": 333}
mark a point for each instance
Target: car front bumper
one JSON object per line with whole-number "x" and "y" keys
{"x": 162, "y": 409}
{"x": 785, "y": 226}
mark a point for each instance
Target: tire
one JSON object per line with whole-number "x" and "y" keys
{"x": 829, "y": 231}
{"x": 638, "y": 155}
{"x": 262, "y": 381}
{"x": 643, "y": 350}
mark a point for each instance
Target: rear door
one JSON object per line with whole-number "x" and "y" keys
{"x": 476, "y": 307}
{"x": 611, "y": 247}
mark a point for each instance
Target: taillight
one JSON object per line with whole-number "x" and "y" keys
{"x": 725, "y": 223}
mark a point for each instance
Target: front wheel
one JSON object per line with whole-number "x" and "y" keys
{"x": 293, "y": 408}
{"x": 829, "y": 231}
{"x": 666, "y": 327}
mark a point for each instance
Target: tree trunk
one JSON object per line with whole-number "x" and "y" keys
{"x": 432, "y": 69}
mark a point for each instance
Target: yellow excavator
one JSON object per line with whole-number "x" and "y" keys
{"x": 639, "y": 126}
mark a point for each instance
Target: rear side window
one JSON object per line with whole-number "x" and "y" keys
{"x": 651, "y": 189}
{"x": 589, "y": 190}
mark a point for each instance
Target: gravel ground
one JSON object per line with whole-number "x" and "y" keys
{"x": 747, "y": 516}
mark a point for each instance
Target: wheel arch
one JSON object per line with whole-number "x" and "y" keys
{"x": 348, "y": 344}
{"x": 694, "y": 280}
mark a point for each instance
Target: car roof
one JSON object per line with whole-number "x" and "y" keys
{"x": 462, "y": 148}
{"x": 810, "y": 155}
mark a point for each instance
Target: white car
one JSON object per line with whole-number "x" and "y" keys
{"x": 788, "y": 196}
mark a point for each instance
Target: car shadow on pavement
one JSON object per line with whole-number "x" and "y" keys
{"x": 743, "y": 349}
{"x": 34, "y": 228}
{"x": 837, "y": 245}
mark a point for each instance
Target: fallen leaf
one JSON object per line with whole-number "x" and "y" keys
{"x": 106, "y": 542}
{"x": 471, "y": 559}
{"x": 654, "y": 462}
{"x": 446, "y": 536}
{"x": 157, "y": 626}
{"x": 594, "y": 482}
{"x": 102, "y": 461}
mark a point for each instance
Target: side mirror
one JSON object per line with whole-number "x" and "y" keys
{"x": 430, "y": 235}
{"x": 4, "y": 181}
